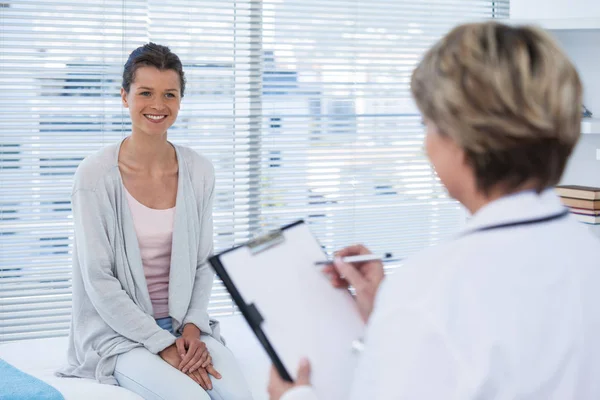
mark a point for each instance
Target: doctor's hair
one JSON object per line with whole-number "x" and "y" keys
{"x": 508, "y": 96}
{"x": 153, "y": 55}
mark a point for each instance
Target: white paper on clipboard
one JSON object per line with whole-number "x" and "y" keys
{"x": 303, "y": 315}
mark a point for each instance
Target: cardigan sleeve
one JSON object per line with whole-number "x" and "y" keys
{"x": 94, "y": 254}
{"x": 197, "y": 313}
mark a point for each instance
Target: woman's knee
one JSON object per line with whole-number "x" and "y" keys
{"x": 191, "y": 390}
{"x": 151, "y": 377}
{"x": 232, "y": 385}
{"x": 234, "y": 392}
{"x": 167, "y": 388}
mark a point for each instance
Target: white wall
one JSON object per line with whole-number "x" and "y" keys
{"x": 534, "y": 9}
{"x": 583, "y": 167}
{"x": 583, "y": 47}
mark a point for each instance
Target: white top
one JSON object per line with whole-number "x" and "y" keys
{"x": 154, "y": 231}
{"x": 504, "y": 314}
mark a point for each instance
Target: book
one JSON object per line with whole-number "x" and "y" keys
{"x": 584, "y": 211}
{"x": 578, "y": 192}
{"x": 588, "y": 219}
{"x": 581, "y": 203}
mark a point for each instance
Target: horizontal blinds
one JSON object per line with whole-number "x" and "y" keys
{"x": 341, "y": 139}
{"x": 61, "y": 64}
{"x": 302, "y": 106}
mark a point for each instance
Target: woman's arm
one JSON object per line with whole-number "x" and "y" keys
{"x": 198, "y": 310}
{"x": 95, "y": 258}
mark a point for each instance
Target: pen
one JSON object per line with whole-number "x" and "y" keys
{"x": 361, "y": 258}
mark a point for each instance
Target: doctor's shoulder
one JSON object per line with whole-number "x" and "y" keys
{"x": 415, "y": 276}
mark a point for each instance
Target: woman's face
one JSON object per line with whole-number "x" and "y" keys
{"x": 448, "y": 160}
{"x": 153, "y": 100}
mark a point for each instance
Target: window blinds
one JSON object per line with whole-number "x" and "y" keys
{"x": 303, "y": 106}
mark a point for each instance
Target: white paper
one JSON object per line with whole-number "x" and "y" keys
{"x": 304, "y": 315}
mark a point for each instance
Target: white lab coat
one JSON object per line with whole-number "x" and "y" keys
{"x": 510, "y": 313}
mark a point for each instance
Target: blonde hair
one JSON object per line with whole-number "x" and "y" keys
{"x": 508, "y": 96}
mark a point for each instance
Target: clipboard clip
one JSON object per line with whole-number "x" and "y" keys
{"x": 254, "y": 314}
{"x": 266, "y": 241}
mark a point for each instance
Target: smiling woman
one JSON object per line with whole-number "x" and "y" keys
{"x": 153, "y": 100}
{"x": 142, "y": 210}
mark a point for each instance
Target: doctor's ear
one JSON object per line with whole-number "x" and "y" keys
{"x": 124, "y": 98}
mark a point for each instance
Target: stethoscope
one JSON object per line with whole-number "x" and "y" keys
{"x": 525, "y": 222}
{"x": 358, "y": 345}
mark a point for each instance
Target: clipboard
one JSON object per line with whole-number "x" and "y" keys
{"x": 292, "y": 308}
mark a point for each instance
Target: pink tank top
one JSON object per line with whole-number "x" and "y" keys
{"x": 154, "y": 229}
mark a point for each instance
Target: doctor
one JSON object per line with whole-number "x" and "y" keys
{"x": 507, "y": 309}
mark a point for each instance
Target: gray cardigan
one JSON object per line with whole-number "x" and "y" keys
{"x": 112, "y": 311}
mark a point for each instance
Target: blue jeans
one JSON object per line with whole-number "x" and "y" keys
{"x": 152, "y": 378}
{"x": 167, "y": 325}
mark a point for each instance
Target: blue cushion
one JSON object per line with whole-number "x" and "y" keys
{"x": 17, "y": 385}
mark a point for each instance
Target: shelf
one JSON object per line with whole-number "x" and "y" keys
{"x": 559, "y": 24}
{"x": 590, "y": 126}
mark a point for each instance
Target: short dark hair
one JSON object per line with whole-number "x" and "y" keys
{"x": 153, "y": 55}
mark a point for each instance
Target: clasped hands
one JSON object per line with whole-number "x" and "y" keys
{"x": 190, "y": 355}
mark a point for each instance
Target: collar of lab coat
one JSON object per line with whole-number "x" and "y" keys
{"x": 521, "y": 206}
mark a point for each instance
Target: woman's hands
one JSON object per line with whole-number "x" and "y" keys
{"x": 365, "y": 277}
{"x": 200, "y": 376}
{"x": 193, "y": 352}
{"x": 190, "y": 355}
{"x": 171, "y": 356}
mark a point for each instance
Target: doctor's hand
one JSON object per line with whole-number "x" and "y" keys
{"x": 365, "y": 277}
{"x": 278, "y": 387}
